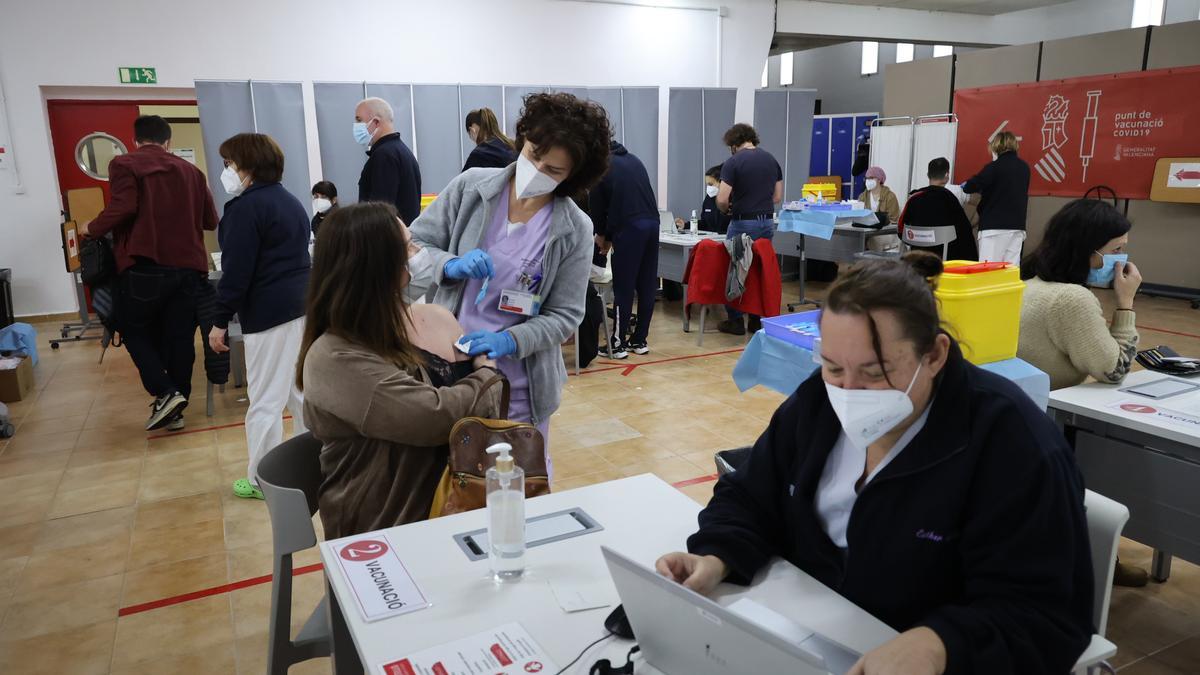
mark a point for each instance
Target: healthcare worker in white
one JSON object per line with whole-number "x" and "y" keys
{"x": 265, "y": 265}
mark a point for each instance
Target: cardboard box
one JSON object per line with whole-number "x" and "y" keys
{"x": 16, "y": 383}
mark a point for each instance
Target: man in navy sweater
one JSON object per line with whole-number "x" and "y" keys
{"x": 391, "y": 174}
{"x": 625, "y": 216}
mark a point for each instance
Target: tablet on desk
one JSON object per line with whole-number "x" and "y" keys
{"x": 1164, "y": 388}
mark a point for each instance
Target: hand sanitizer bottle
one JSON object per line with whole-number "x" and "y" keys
{"x": 506, "y": 515}
{"x": 694, "y": 223}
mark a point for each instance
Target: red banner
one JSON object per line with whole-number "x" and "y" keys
{"x": 1085, "y": 131}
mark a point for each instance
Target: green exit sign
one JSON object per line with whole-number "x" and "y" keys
{"x": 138, "y": 75}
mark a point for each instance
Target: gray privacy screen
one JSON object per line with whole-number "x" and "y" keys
{"x": 783, "y": 119}
{"x": 246, "y": 106}
{"x": 699, "y": 119}
{"x": 429, "y": 118}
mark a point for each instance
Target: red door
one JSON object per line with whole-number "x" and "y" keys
{"x": 72, "y": 121}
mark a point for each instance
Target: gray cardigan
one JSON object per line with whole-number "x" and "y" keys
{"x": 455, "y": 223}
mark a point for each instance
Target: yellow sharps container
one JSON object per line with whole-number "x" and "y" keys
{"x": 981, "y": 307}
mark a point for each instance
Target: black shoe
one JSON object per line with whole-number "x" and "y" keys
{"x": 616, "y": 349}
{"x": 732, "y": 327}
{"x": 639, "y": 348}
{"x": 755, "y": 324}
{"x": 164, "y": 409}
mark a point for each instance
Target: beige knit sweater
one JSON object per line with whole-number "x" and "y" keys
{"x": 1064, "y": 333}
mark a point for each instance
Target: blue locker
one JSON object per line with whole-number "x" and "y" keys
{"x": 818, "y": 165}
{"x": 841, "y": 149}
{"x": 862, "y": 126}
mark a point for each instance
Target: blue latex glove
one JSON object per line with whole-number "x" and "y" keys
{"x": 476, "y": 264}
{"x": 495, "y": 345}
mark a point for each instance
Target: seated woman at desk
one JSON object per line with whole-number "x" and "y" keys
{"x": 929, "y": 492}
{"x": 1064, "y": 332}
{"x": 711, "y": 218}
{"x": 1063, "y": 328}
{"x": 878, "y": 197}
{"x": 383, "y": 383}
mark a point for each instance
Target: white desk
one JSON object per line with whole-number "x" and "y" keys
{"x": 643, "y": 518}
{"x": 1142, "y": 458}
{"x": 674, "y": 250}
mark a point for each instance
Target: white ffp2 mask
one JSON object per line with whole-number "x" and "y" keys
{"x": 872, "y": 183}
{"x": 231, "y": 182}
{"x": 530, "y": 182}
{"x": 867, "y": 414}
{"x": 711, "y": 190}
{"x": 321, "y": 205}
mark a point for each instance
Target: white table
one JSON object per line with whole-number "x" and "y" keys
{"x": 643, "y": 518}
{"x": 674, "y": 250}
{"x": 1144, "y": 457}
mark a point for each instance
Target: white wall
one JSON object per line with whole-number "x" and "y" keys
{"x": 836, "y": 73}
{"x": 77, "y": 44}
{"x": 1080, "y": 17}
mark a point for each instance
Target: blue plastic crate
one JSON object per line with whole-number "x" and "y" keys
{"x": 801, "y": 329}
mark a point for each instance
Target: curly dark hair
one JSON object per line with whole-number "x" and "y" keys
{"x": 740, "y": 134}
{"x": 577, "y": 126}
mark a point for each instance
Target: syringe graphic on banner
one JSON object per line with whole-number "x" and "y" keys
{"x": 1087, "y": 139}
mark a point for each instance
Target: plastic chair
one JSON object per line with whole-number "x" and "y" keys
{"x": 290, "y": 476}
{"x": 606, "y": 296}
{"x": 1106, "y": 518}
{"x": 942, "y": 236}
{"x": 237, "y": 363}
{"x": 728, "y": 461}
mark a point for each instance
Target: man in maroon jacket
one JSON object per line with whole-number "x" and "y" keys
{"x": 158, "y": 209}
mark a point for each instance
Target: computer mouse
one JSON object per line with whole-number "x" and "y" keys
{"x": 618, "y": 624}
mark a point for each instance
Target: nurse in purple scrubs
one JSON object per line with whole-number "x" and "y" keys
{"x": 510, "y": 252}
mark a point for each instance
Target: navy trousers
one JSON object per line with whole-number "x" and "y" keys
{"x": 635, "y": 270}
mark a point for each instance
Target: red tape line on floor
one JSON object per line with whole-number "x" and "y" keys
{"x": 207, "y": 592}
{"x": 266, "y": 578}
{"x": 173, "y": 434}
{"x": 1169, "y": 332}
{"x": 628, "y": 368}
{"x": 694, "y": 481}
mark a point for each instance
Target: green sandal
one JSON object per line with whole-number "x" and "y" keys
{"x": 243, "y": 488}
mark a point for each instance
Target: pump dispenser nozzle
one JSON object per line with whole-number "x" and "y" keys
{"x": 504, "y": 462}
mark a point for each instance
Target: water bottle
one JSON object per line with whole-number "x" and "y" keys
{"x": 694, "y": 223}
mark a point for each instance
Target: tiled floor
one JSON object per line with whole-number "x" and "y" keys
{"x": 96, "y": 516}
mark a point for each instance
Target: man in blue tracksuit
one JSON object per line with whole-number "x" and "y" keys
{"x": 625, "y": 216}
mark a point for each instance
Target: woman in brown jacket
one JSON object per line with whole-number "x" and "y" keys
{"x": 383, "y": 382}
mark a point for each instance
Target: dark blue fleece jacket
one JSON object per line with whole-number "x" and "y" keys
{"x": 624, "y": 195}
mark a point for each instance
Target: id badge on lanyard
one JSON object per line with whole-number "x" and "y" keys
{"x": 524, "y": 299}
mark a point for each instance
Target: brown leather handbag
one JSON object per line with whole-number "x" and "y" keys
{"x": 462, "y": 487}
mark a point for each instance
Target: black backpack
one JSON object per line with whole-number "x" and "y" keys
{"x": 97, "y": 263}
{"x": 98, "y": 270}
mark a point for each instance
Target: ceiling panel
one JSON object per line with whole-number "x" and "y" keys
{"x": 989, "y": 7}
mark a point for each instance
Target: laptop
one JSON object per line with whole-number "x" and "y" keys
{"x": 682, "y": 632}
{"x": 666, "y": 221}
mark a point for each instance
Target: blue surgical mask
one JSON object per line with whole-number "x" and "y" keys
{"x": 1103, "y": 276}
{"x": 361, "y": 135}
